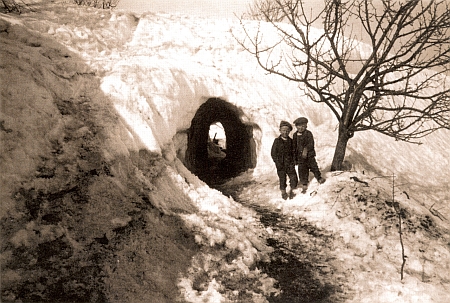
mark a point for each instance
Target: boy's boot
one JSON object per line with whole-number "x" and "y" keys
{"x": 304, "y": 188}
{"x": 284, "y": 195}
{"x": 291, "y": 194}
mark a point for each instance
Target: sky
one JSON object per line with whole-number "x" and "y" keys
{"x": 204, "y": 8}
{"x": 154, "y": 73}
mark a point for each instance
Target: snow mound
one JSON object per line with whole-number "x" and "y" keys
{"x": 96, "y": 106}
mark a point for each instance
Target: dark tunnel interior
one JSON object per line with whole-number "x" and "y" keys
{"x": 240, "y": 147}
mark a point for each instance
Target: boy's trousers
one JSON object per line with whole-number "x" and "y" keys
{"x": 306, "y": 165}
{"x": 291, "y": 173}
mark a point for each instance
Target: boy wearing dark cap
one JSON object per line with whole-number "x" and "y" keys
{"x": 305, "y": 154}
{"x": 283, "y": 155}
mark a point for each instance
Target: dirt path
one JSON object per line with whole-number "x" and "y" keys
{"x": 303, "y": 261}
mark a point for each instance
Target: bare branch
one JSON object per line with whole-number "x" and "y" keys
{"x": 392, "y": 77}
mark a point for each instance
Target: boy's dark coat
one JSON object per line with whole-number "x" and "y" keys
{"x": 309, "y": 164}
{"x": 283, "y": 153}
{"x": 300, "y": 141}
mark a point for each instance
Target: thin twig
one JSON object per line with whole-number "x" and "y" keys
{"x": 398, "y": 211}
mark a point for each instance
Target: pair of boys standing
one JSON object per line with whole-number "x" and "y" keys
{"x": 287, "y": 152}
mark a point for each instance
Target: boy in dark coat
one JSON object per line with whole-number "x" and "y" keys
{"x": 305, "y": 154}
{"x": 283, "y": 155}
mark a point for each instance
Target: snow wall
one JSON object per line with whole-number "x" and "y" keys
{"x": 96, "y": 112}
{"x": 157, "y": 70}
{"x": 174, "y": 64}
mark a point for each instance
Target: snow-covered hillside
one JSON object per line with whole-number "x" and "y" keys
{"x": 104, "y": 119}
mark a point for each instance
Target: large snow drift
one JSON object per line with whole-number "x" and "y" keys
{"x": 104, "y": 120}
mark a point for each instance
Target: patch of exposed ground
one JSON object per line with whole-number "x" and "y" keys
{"x": 302, "y": 262}
{"x": 78, "y": 219}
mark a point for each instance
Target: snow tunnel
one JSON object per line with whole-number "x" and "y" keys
{"x": 211, "y": 161}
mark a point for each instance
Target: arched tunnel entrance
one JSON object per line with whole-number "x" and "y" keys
{"x": 240, "y": 153}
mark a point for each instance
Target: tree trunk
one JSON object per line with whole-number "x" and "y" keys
{"x": 341, "y": 147}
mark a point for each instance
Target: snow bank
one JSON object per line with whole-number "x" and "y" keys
{"x": 92, "y": 108}
{"x": 86, "y": 186}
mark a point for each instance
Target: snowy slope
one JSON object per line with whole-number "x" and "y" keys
{"x": 147, "y": 76}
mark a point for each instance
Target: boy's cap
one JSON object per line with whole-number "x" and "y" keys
{"x": 285, "y": 123}
{"x": 301, "y": 120}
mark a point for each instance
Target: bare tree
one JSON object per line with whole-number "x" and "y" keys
{"x": 105, "y": 4}
{"x": 266, "y": 10}
{"x": 396, "y": 83}
{"x": 13, "y": 5}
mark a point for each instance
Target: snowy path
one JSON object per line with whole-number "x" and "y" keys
{"x": 339, "y": 242}
{"x": 303, "y": 261}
